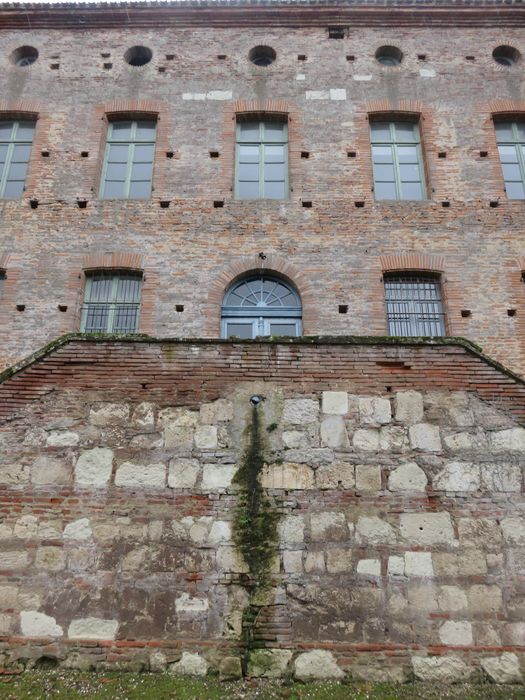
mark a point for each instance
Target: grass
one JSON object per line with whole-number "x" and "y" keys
{"x": 69, "y": 685}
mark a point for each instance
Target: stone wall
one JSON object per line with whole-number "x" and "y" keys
{"x": 401, "y": 528}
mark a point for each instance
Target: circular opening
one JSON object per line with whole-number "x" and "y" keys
{"x": 389, "y": 55}
{"x": 506, "y": 55}
{"x": 138, "y": 55}
{"x": 262, "y": 55}
{"x": 24, "y": 56}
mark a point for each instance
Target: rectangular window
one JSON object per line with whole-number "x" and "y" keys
{"x": 413, "y": 305}
{"x": 397, "y": 160}
{"x": 128, "y": 160}
{"x": 261, "y": 170}
{"x": 111, "y": 302}
{"x": 16, "y": 138}
{"x": 511, "y": 146}
{"x": 2, "y": 282}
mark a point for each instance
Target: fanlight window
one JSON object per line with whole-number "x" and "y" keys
{"x": 261, "y": 306}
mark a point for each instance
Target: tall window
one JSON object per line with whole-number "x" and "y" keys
{"x": 511, "y": 145}
{"x": 111, "y": 302}
{"x": 413, "y": 304}
{"x": 16, "y": 138}
{"x": 397, "y": 160}
{"x": 259, "y": 306}
{"x": 261, "y": 170}
{"x": 2, "y": 282}
{"x": 128, "y": 160}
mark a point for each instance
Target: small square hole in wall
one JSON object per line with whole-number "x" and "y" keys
{"x": 62, "y": 308}
{"x": 445, "y": 204}
{"x": 179, "y": 308}
{"x": 105, "y": 55}
{"x": 218, "y": 203}
{"x": 45, "y": 153}
{"x": 306, "y": 204}
{"x": 301, "y": 57}
{"x": 336, "y": 32}
{"x": 343, "y": 308}
{"x": 164, "y": 203}
{"x": 350, "y": 58}
{"x": 351, "y": 154}
{"x": 442, "y": 154}
{"x": 84, "y": 154}
{"x": 466, "y": 313}
{"x": 421, "y": 57}
{"x": 108, "y": 66}
{"x": 305, "y": 154}
{"x": 162, "y": 69}
{"x": 483, "y": 154}
{"x": 20, "y": 307}
{"x": 214, "y": 154}
{"x": 170, "y": 56}
{"x": 511, "y": 312}
{"x": 55, "y": 66}
{"x": 493, "y": 204}
{"x": 222, "y": 57}
{"x": 359, "y": 204}
{"x": 470, "y": 58}
{"x": 169, "y": 154}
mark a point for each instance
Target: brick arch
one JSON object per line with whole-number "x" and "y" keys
{"x": 506, "y": 107}
{"x": 412, "y": 261}
{"x": 386, "y": 105}
{"x": 272, "y": 265}
{"x": 113, "y": 260}
{"x": 133, "y": 106}
{"x": 521, "y": 263}
{"x": 4, "y": 260}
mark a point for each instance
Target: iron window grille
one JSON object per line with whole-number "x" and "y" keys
{"x": 511, "y": 146}
{"x": 261, "y": 306}
{"x": 111, "y": 302}
{"x": 16, "y": 139}
{"x": 397, "y": 161}
{"x": 261, "y": 168}
{"x": 414, "y": 306}
{"x": 2, "y": 282}
{"x": 128, "y": 160}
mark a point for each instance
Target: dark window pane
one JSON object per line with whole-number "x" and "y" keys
{"x": 380, "y": 131}
{"x": 239, "y": 330}
{"x": 511, "y": 171}
{"x": 283, "y": 329}
{"x": 6, "y": 130}
{"x": 96, "y": 318}
{"x": 3, "y": 153}
{"x": 21, "y": 154}
{"x": 274, "y": 131}
{"x": 249, "y": 131}
{"x": 508, "y": 154}
{"x": 121, "y": 131}
{"x": 520, "y": 128}
{"x": 407, "y": 154}
{"x": 406, "y": 132}
{"x": 25, "y": 131}
{"x": 504, "y": 131}
{"x": 145, "y": 131}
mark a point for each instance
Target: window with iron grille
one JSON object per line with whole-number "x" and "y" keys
{"x": 261, "y": 169}
{"x": 16, "y": 139}
{"x": 414, "y": 306}
{"x": 397, "y": 160}
{"x": 111, "y": 302}
{"x": 261, "y": 306}
{"x": 511, "y": 146}
{"x": 2, "y": 282}
{"x": 128, "y": 160}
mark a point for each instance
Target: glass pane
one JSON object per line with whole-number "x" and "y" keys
{"x": 140, "y": 190}
{"x": 6, "y": 129}
{"x": 249, "y": 171}
{"x": 128, "y": 288}
{"x": 520, "y": 128}
{"x": 274, "y": 131}
{"x": 508, "y": 154}
{"x": 120, "y": 131}
{"x": 17, "y": 171}
{"x": 145, "y": 131}
{"x": 125, "y": 319}
{"x": 406, "y": 132}
{"x": 3, "y": 153}
{"x": 275, "y": 190}
{"x": 25, "y": 131}
{"x": 142, "y": 171}
{"x": 409, "y": 173}
{"x": 248, "y": 154}
{"x": 511, "y": 171}
{"x": 240, "y": 330}
{"x": 21, "y": 154}
{"x": 382, "y": 154}
{"x": 283, "y": 329}
{"x": 113, "y": 190}
{"x": 407, "y": 154}
{"x": 118, "y": 154}
{"x": 274, "y": 172}
{"x": 248, "y": 190}
{"x": 249, "y": 131}
{"x": 274, "y": 154}
{"x": 515, "y": 190}
{"x": 13, "y": 189}
{"x": 385, "y": 190}
{"x": 144, "y": 153}
{"x": 96, "y": 318}
{"x": 380, "y": 131}
{"x": 411, "y": 190}
{"x": 116, "y": 171}
{"x": 504, "y": 131}
{"x": 384, "y": 172}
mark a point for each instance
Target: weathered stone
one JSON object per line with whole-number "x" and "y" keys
{"x": 291, "y": 529}
{"x": 268, "y": 663}
{"x": 374, "y": 411}
{"x": 328, "y": 526}
{"x": 407, "y": 477}
{"x": 452, "y": 599}
{"x": 333, "y": 433}
{"x": 190, "y": 665}
{"x": 456, "y": 633}
{"x": 374, "y": 672}
{"x": 484, "y": 599}
{"x": 217, "y": 476}
{"x": 294, "y": 439}
{"x": 180, "y": 416}
{"x": 131, "y": 475}
{"x": 26, "y": 527}
{"x": 458, "y": 476}
{"x": 332, "y": 476}
{"x": 338, "y": 560}
{"x": 408, "y": 407}
{"x": 198, "y": 529}
{"x": 221, "y": 532}
{"x": 393, "y": 438}
{"x": 134, "y": 560}
{"x": 185, "y": 604}
{"x": 293, "y": 562}
{"x": 514, "y": 530}
{"x": 218, "y": 411}
{"x": 427, "y": 528}
{"x": 37, "y": 624}
{"x": 369, "y": 567}
{"x": 418, "y": 564}
{"x": 479, "y": 532}
{"x": 157, "y": 662}
{"x": 317, "y": 664}
{"x": 335, "y": 402}
{"x": 501, "y": 477}
{"x": 287, "y": 476}
{"x": 206, "y": 437}
{"x": 229, "y": 559}
{"x": 465, "y": 441}
{"x": 230, "y": 668}
{"x": 92, "y": 628}
{"x": 470, "y": 562}
{"x": 312, "y": 456}
{"x": 314, "y": 561}
{"x": 366, "y": 439}
{"x": 50, "y": 558}
{"x": 514, "y": 634}
{"x": 183, "y": 473}
{"x": 503, "y": 669}
{"x": 440, "y": 669}
{"x": 300, "y": 411}
{"x": 179, "y": 437}
{"x": 49, "y": 470}
{"x": 78, "y": 530}
{"x": 62, "y": 438}
{"x": 425, "y": 437}
{"x": 14, "y": 559}
{"x": 396, "y": 566}
{"x": 368, "y": 478}
{"x": 93, "y": 467}
{"x": 144, "y": 415}
{"x": 109, "y": 414}
{"x": 512, "y": 439}
{"x": 8, "y": 596}
{"x": 373, "y": 530}
{"x": 421, "y": 596}
{"x": 14, "y": 474}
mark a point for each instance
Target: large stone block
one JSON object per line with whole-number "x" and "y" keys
{"x": 206, "y": 437}
{"x": 93, "y": 628}
{"x": 183, "y": 473}
{"x": 374, "y": 411}
{"x": 218, "y": 411}
{"x": 62, "y": 438}
{"x": 369, "y": 567}
{"x": 407, "y": 477}
{"x": 452, "y": 599}
{"x": 50, "y": 558}
{"x": 268, "y": 663}
{"x": 458, "y": 442}
{"x": 93, "y": 467}
{"x": 14, "y": 474}
{"x": 228, "y": 559}
{"x": 26, "y": 527}
{"x": 314, "y": 561}
{"x": 316, "y": 665}
{"x": 408, "y": 407}
{"x": 458, "y": 476}
{"x": 217, "y": 476}
{"x": 440, "y": 669}
{"x": 425, "y": 437}
{"x": 78, "y": 530}
{"x": 220, "y": 532}
{"x": 336, "y": 475}
{"x": 185, "y": 604}
{"x": 333, "y": 433}
{"x": 179, "y": 437}
{"x": 456, "y": 633}
{"x": 427, "y": 528}
{"x": 366, "y": 439}
{"x": 328, "y": 526}
{"x": 501, "y": 477}
{"x": 484, "y": 599}
{"x": 131, "y": 475}
{"x": 513, "y": 529}
{"x": 393, "y": 438}
{"x": 47, "y": 470}
{"x": 37, "y": 624}
{"x": 287, "y": 476}
{"x": 291, "y": 529}
{"x": 144, "y": 415}
{"x": 479, "y": 532}
{"x": 293, "y": 562}
{"x": 368, "y": 478}
{"x": 338, "y": 560}
{"x": 503, "y": 669}
{"x": 104, "y": 414}
{"x": 300, "y": 411}
{"x": 190, "y": 665}
{"x": 419, "y": 564}
{"x": 372, "y": 530}
{"x": 14, "y": 559}
{"x": 335, "y": 402}
{"x": 512, "y": 439}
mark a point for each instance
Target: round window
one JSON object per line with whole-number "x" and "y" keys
{"x": 262, "y": 55}
{"x": 389, "y": 56}
{"x": 24, "y": 56}
{"x": 138, "y": 55}
{"x": 506, "y": 55}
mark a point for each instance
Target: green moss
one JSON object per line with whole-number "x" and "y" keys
{"x": 273, "y": 426}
